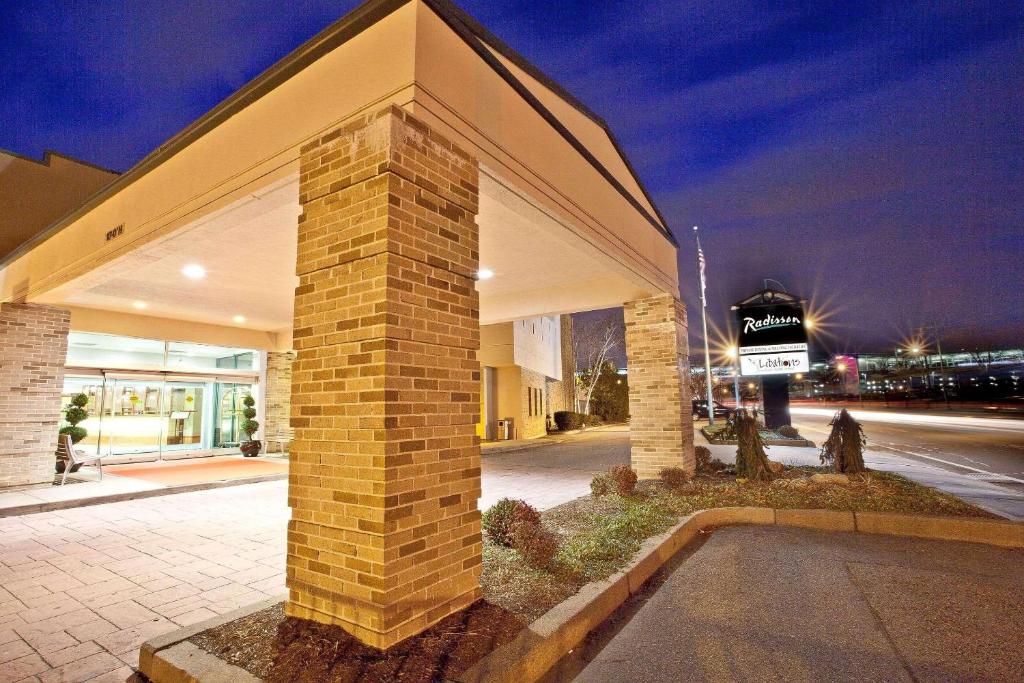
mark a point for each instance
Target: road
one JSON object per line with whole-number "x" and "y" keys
{"x": 974, "y": 446}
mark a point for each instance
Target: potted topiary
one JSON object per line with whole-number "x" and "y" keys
{"x": 74, "y": 413}
{"x": 250, "y": 447}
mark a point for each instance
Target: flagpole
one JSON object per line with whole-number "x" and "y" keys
{"x": 704, "y": 320}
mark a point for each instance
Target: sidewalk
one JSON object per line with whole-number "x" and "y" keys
{"x": 996, "y": 499}
{"x": 142, "y": 480}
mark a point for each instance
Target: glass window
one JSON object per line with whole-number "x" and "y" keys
{"x": 93, "y": 388}
{"x": 86, "y": 349}
{"x": 185, "y": 355}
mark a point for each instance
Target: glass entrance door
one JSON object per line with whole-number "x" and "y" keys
{"x": 185, "y": 415}
{"x": 228, "y": 432}
{"x": 132, "y": 420}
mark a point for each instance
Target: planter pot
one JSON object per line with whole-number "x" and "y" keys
{"x": 251, "y": 449}
{"x": 61, "y": 464}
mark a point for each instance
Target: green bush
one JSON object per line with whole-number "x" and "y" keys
{"x": 536, "y": 544}
{"x": 74, "y": 413}
{"x": 567, "y": 420}
{"x": 623, "y": 479}
{"x": 674, "y": 477}
{"x": 600, "y": 485}
{"x": 596, "y": 554}
{"x": 592, "y": 420}
{"x": 249, "y": 426}
{"x": 500, "y": 519}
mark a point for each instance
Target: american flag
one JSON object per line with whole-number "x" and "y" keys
{"x": 703, "y": 280}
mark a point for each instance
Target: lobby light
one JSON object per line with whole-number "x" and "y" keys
{"x": 484, "y": 274}
{"x": 140, "y": 305}
{"x": 194, "y": 271}
{"x": 239, "y": 319}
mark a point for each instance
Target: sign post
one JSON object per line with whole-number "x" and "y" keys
{"x": 773, "y": 346}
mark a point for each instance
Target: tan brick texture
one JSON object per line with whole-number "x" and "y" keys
{"x": 33, "y": 348}
{"x": 385, "y": 464}
{"x": 660, "y": 423}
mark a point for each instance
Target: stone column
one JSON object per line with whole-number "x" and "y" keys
{"x": 33, "y": 348}
{"x": 277, "y": 418}
{"x": 385, "y": 465}
{"x": 660, "y": 412}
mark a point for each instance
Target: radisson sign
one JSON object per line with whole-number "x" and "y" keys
{"x": 773, "y": 339}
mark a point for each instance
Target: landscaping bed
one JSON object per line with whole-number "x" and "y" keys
{"x": 586, "y": 540}
{"x": 599, "y": 534}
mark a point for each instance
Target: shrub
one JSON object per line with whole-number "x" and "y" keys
{"x": 788, "y": 431}
{"x": 249, "y": 426}
{"x": 567, "y": 420}
{"x": 592, "y": 420}
{"x": 702, "y": 456}
{"x": 536, "y": 544}
{"x": 500, "y": 519}
{"x": 623, "y": 478}
{"x": 600, "y": 485}
{"x": 596, "y": 554}
{"x": 674, "y": 477}
{"x": 74, "y": 413}
{"x": 844, "y": 447}
{"x": 751, "y": 460}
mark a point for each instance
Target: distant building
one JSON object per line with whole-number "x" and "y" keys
{"x": 963, "y": 375}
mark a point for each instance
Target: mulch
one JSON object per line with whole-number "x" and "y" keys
{"x": 283, "y": 649}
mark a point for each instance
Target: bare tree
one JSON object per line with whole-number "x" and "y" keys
{"x": 595, "y": 336}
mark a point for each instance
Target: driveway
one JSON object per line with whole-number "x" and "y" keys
{"x": 556, "y": 472}
{"x": 778, "y": 604}
{"x": 81, "y": 589}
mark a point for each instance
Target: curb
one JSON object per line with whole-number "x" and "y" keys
{"x": 540, "y": 646}
{"x": 170, "y": 658}
{"x": 33, "y": 508}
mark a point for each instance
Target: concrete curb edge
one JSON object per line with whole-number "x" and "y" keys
{"x": 34, "y": 508}
{"x": 538, "y": 647}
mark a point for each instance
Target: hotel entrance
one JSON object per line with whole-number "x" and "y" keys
{"x": 153, "y": 412}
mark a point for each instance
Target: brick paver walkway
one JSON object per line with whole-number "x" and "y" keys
{"x": 82, "y": 589}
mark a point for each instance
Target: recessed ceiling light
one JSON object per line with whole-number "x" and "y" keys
{"x": 239, "y": 319}
{"x": 141, "y": 305}
{"x": 484, "y": 274}
{"x": 194, "y": 271}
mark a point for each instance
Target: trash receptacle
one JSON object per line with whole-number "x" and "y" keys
{"x": 506, "y": 431}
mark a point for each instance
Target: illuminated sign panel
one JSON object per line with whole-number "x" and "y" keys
{"x": 773, "y": 340}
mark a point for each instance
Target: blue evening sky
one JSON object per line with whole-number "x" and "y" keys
{"x": 869, "y": 155}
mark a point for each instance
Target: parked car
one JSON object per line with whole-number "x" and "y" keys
{"x": 700, "y": 410}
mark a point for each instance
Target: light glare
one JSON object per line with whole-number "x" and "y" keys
{"x": 194, "y": 271}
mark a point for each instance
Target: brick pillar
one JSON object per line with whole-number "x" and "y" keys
{"x": 33, "y": 348}
{"x": 385, "y": 465}
{"x": 660, "y": 412}
{"x": 277, "y": 419}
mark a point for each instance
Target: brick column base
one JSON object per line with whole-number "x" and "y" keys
{"x": 660, "y": 412}
{"x": 33, "y": 348}
{"x": 385, "y": 465}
